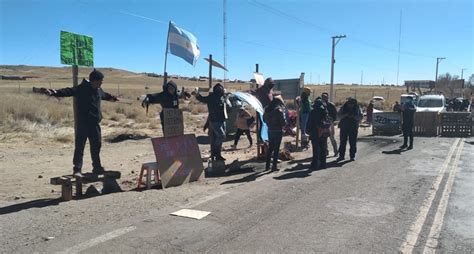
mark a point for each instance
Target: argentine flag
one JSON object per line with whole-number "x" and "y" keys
{"x": 182, "y": 43}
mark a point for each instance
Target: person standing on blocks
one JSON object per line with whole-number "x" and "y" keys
{"x": 349, "y": 126}
{"x": 216, "y": 105}
{"x": 408, "y": 110}
{"x": 88, "y": 95}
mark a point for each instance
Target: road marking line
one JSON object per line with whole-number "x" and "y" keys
{"x": 93, "y": 242}
{"x": 417, "y": 225}
{"x": 435, "y": 231}
{"x": 205, "y": 199}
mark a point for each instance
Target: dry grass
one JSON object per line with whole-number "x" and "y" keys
{"x": 21, "y": 111}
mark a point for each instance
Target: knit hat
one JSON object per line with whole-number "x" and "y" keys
{"x": 96, "y": 75}
{"x": 269, "y": 82}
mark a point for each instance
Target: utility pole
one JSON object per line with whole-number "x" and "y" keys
{"x": 335, "y": 40}
{"x": 439, "y": 59}
{"x": 361, "y": 78}
{"x": 462, "y": 72}
{"x": 225, "y": 39}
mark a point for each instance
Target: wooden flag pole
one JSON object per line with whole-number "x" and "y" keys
{"x": 75, "y": 82}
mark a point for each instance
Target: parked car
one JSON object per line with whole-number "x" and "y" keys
{"x": 378, "y": 102}
{"x": 431, "y": 103}
{"x": 404, "y": 98}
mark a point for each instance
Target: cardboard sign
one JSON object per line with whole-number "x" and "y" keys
{"x": 179, "y": 159}
{"x": 173, "y": 121}
{"x": 76, "y": 49}
{"x": 289, "y": 88}
{"x": 386, "y": 123}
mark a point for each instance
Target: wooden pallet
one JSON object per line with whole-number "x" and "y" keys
{"x": 456, "y": 124}
{"x": 426, "y": 124}
{"x": 67, "y": 181}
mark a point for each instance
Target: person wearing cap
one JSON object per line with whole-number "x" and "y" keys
{"x": 243, "y": 124}
{"x": 274, "y": 116}
{"x": 216, "y": 105}
{"x": 304, "y": 103}
{"x": 88, "y": 95}
{"x": 168, "y": 98}
{"x": 332, "y": 115}
{"x": 350, "y": 115}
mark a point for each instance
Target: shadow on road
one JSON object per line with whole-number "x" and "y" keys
{"x": 40, "y": 203}
{"x": 204, "y": 140}
{"x": 301, "y": 170}
{"x": 249, "y": 178}
{"x": 395, "y": 151}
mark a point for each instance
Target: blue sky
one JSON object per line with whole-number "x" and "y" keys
{"x": 285, "y": 37}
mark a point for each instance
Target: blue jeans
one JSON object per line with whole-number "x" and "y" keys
{"x": 218, "y": 132}
{"x": 274, "y": 141}
{"x": 303, "y": 121}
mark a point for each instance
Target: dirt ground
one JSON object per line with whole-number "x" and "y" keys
{"x": 28, "y": 162}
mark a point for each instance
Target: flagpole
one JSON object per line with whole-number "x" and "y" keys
{"x": 166, "y": 54}
{"x": 210, "y": 71}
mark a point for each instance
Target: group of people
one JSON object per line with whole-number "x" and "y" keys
{"x": 316, "y": 120}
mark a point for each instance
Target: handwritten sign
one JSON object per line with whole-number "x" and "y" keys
{"x": 179, "y": 159}
{"x": 77, "y": 49}
{"x": 173, "y": 121}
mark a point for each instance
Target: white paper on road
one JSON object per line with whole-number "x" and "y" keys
{"x": 190, "y": 213}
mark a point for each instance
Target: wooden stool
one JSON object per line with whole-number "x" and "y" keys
{"x": 147, "y": 170}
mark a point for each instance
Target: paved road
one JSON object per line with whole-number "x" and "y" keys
{"x": 386, "y": 201}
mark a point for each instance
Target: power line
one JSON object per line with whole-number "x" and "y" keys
{"x": 280, "y": 13}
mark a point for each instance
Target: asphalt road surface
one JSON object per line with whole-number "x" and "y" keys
{"x": 388, "y": 200}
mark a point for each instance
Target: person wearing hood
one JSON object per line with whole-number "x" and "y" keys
{"x": 274, "y": 116}
{"x": 265, "y": 93}
{"x": 318, "y": 128}
{"x": 168, "y": 98}
{"x": 350, "y": 115}
{"x": 216, "y": 105}
{"x": 88, "y": 95}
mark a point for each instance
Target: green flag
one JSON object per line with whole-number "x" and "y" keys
{"x": 76, "y": 49}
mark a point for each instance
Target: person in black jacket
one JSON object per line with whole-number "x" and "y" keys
{"x": 408, "y": 114}
{"x": 351, "y": 115}
{"x": 216, "y": 105}
{"x": 274, "y": 116}
{"x": 318, "y": 128}
{"x": 88, "y": 96}
{"x": 332, "y": 114}
{"x": 168, "y": 98}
